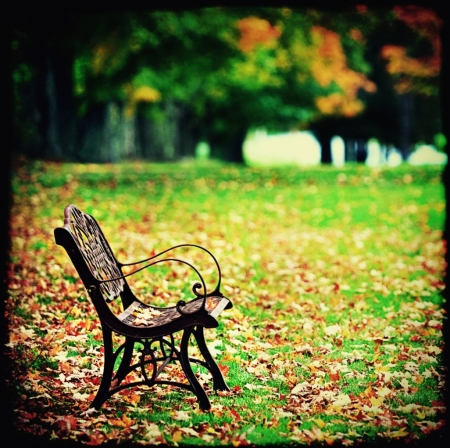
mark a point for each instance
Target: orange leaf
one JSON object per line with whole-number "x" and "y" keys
{"x": 334, "y": 376}
{"x": 67, "y": 423}
{"x": 128, "y": 421}
{"x": 177, "y": 436}
{"x": 117, "y": 422}
{"x": 224, "y": 369}
{"x": 235, "y": 414}
{"x": 256, "y": 31}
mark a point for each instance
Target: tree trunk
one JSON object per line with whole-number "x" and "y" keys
{"x": 60, "y": 120}
{"x": 406, "y": 123}
{"x": 229, "y": 148}
{"x": 112, "y": 146}
{"x": 92, "y": 146}
{"x": 45, "y": 119}
{"x": 350, "y": 151}
{"x": 325, "y": 145}
{"x": 130, "y": 144}
{"x": 361, "y": 151}
{"x": 150, "y": 146}
{"x": 53, "y": 147}
{"x": 28, "y": 116}
{"x": 160, "y": 137}
{"x": 169, "y": 134}
{"x": 189, "y": 134}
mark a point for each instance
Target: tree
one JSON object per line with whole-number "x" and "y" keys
{"x": 331, "y": 67}
{"x": 42, "y": 73}
{"x": 153, "y": 84}
{"x": 404, "y": 108}
{"x": 291, "y": 72}
{"x": 166, "y": 67}
{"x": 275, "y": 69}
{"x": 415, "y": 68}
{"x": 140, "y": 80}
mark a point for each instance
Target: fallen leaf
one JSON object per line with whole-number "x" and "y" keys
{"x": 190, "y": 431}
{"x": 434, "y": 350}
{"x": 301, "y": 389}
{"x": 152, "y": 430}
{"x": 434, "y": 323}
{"x": 320, "y": 423}
{"x": 402, "y": 432}
{"x": 341, "y": 400}
{"x": 177, "y": 436}
{"x": 332, "y": 330}
{"x": 181, "y": 415}
{"x": 376, "y": 402}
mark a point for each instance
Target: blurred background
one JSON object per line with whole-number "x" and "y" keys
{"x": 244, "y": 85}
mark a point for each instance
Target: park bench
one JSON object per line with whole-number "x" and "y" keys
{"x": 148, "y": 332}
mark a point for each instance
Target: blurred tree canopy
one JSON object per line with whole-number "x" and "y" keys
{"x": 153, "y": 84}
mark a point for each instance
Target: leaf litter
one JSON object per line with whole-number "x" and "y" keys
{"x": 335, "y": 336}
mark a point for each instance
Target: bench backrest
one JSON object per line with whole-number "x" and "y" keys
{"x": 95, "y": 251}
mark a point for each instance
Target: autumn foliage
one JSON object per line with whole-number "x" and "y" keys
{"x": 409, "y": 71}
{"x": 136, "y": 95}
{"x": 329, "y": 66}
{"x": 255, "y": 31}
{"x": 324, "y": 60}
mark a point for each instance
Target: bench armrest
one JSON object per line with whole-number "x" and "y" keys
{"x": 195, "y": 288}
{"x": 216, "y": 289}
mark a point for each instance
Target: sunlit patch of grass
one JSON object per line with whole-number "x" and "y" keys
{"x": 23, "y": 313}
{"x": 42, "y": 363}
{"x": 423, "y": 398}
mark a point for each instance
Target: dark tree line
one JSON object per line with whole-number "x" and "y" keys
{"x": 153, "y": 84}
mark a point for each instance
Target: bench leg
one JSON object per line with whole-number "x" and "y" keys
{"x": 203, "y": 399}
{"x": 124, "y": 369}
{"x": 218, "y": 380}
{"x": 103, "y": 390}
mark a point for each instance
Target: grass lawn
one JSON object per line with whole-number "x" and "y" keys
{"x": 336, "y": 276}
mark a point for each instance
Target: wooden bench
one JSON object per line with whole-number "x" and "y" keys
{"x": 148, "y": 331}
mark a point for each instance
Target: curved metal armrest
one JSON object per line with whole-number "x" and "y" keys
{"x": 216, "y": 289}
{"x": 181, "y": 303}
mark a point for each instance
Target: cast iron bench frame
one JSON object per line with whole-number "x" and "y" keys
{"x": 102, "y": 276}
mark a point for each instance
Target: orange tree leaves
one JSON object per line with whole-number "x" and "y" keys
{"x": 309, "y": 54}
{"x": 328, "y": 66}
{"x": 256, "y": 31}
{"x": 410, "y": 73}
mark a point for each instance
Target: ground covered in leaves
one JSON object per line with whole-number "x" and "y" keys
{"x": 336, "y": 276}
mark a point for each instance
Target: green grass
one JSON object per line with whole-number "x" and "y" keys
{"x": 336, "y": 275}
